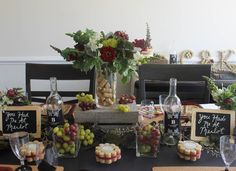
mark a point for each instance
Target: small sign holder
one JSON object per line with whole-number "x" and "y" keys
{"x": 21, "y": 118}
{"x": 211, "y": 121}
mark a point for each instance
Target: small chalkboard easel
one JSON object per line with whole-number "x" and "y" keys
{"x": 21, "y": 118}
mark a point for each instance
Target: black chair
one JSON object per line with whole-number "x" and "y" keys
{"x": 61, "y": 72}
{"x": 191, "y": 87}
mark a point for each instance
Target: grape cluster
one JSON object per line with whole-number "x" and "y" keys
{"x": 123, "y": 108}
{"x": 125, "y": 99}
{"x": 87, "y": 106}
{"x": 86, "y": 101}
{"x": 66, "y": 138}
{"x": 86, "y": 136}
{"x": 148, "y": 140}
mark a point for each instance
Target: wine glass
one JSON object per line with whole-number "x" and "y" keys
{"x": 17, "y": 140}
{"x": 162, "y": 98}
{"x": 39, "y": 152}
{"x": 228, "y": 149}
{"x": 147, "y": 108}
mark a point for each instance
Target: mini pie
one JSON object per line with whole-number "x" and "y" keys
{"x": 107, "y": 153}
{"x": 189, "y": 150}
{"x": 30, "y": 151}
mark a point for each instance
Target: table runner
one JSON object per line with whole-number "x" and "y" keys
{"x": 194, "y": 168}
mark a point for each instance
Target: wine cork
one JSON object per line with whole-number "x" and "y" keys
{"x": 103, "y": 83}
{"x": 107, "y": 95}
{"x": 108, "y": 155}
{"x": 107, "y": 90}
{"x": 109, "y": 101}
{"x": 99, "y": 94}
{"x": 107, "y": 85}
{"x": 109, "y": 161}
{"x": 99, "y": 79}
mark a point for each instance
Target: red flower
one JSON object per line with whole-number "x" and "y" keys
{"x": 71, "y": 57}
{"x": 108, "y": 54}
{"x": 11, "y": 93}
{"x": 228, "y": 101}
{"x": 140, "y": 43}
{"x": 121, "y": 35}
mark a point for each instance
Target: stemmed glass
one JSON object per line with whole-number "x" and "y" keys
{"x": 147, "y": 108}
{"x": 162, "y": 98}
{"x": 228, "y": 149}
{"x": 39, "y": 153}
{"x": 17, "y": 140}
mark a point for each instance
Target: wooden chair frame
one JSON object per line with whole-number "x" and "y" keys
{"x": 61, "y": 72}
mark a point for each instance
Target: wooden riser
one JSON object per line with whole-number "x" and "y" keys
{"x": 105, "y": 116}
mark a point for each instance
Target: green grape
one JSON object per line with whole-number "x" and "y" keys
{"x": 55, "y": 130}
{"x": 87, "y": 137}
{"x": 67, "y": 149}
{"x": 58, "y": 145}
{"x": 91, "y": 135}
{"x": 90, "y": 142}
{"x": 61, "y": 151}
{"x": 85, "y": 142}
{"x": 66, "y": 138}
{"x": 81, "y": 137}
{"x": 82, "y": 132}
{"x": 65, "y": 145}
{"x": 85, "y": 98}
{"x": 59, "y": 134}
{"x": 72, "y": 150}
{"x": 123, "y": 108}
{"x": 87, "y": 131}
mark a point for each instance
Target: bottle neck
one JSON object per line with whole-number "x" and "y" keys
{"x": 53, "y": 85}
{"x": 172, "y": 91}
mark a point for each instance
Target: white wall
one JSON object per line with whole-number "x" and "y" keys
{"x": 28, "y": 27}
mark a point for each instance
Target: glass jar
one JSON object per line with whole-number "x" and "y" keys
{"x": 106, "y": 82}
{"x": 147, "y": 140}
{"x": 66, "y": 141}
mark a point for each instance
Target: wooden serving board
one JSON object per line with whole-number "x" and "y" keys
{"x": 196, "y": 168}
{"x": 107, "y": 116}
{"x": 34, "y": 168}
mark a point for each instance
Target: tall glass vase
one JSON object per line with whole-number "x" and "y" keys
{"x": 106, "y": 88}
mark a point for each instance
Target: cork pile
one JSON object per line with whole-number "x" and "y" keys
{"x": 104, "y": 91}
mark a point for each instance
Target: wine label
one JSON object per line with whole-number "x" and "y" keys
{"x": 173, "y": 58}
{"x": 55, "y": 117}
{"x": 172, "y": 123}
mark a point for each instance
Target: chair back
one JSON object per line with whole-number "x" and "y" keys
{"x": 61, "y": 72}
{"x": 190, "y": 83}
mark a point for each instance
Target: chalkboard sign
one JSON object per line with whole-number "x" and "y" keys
{"x": 21, "y": 118}
{"x": 208, "y": 121}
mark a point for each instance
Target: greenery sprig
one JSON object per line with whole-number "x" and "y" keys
{"x": 224, "y": 97}
{"x": 13, "y": 97}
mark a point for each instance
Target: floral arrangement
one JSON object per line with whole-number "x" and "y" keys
{"x": 224, "y": 97}
{"x": 113, "y": 52}
{"x": 12, "y": 97}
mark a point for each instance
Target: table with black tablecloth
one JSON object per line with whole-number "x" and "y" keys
{"x": 129, "y": 161}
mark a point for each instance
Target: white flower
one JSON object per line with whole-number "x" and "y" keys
{"x": 93, "y": 43}
{"x": 139, "y": 57}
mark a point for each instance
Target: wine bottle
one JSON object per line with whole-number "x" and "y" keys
{"x": 54, "y": 105}
{"x": 172, "y": 110}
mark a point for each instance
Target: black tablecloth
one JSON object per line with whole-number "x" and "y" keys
{"x": 129, "y": 161}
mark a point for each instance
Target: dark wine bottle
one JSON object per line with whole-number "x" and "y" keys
{"x": 172, "y": 110}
